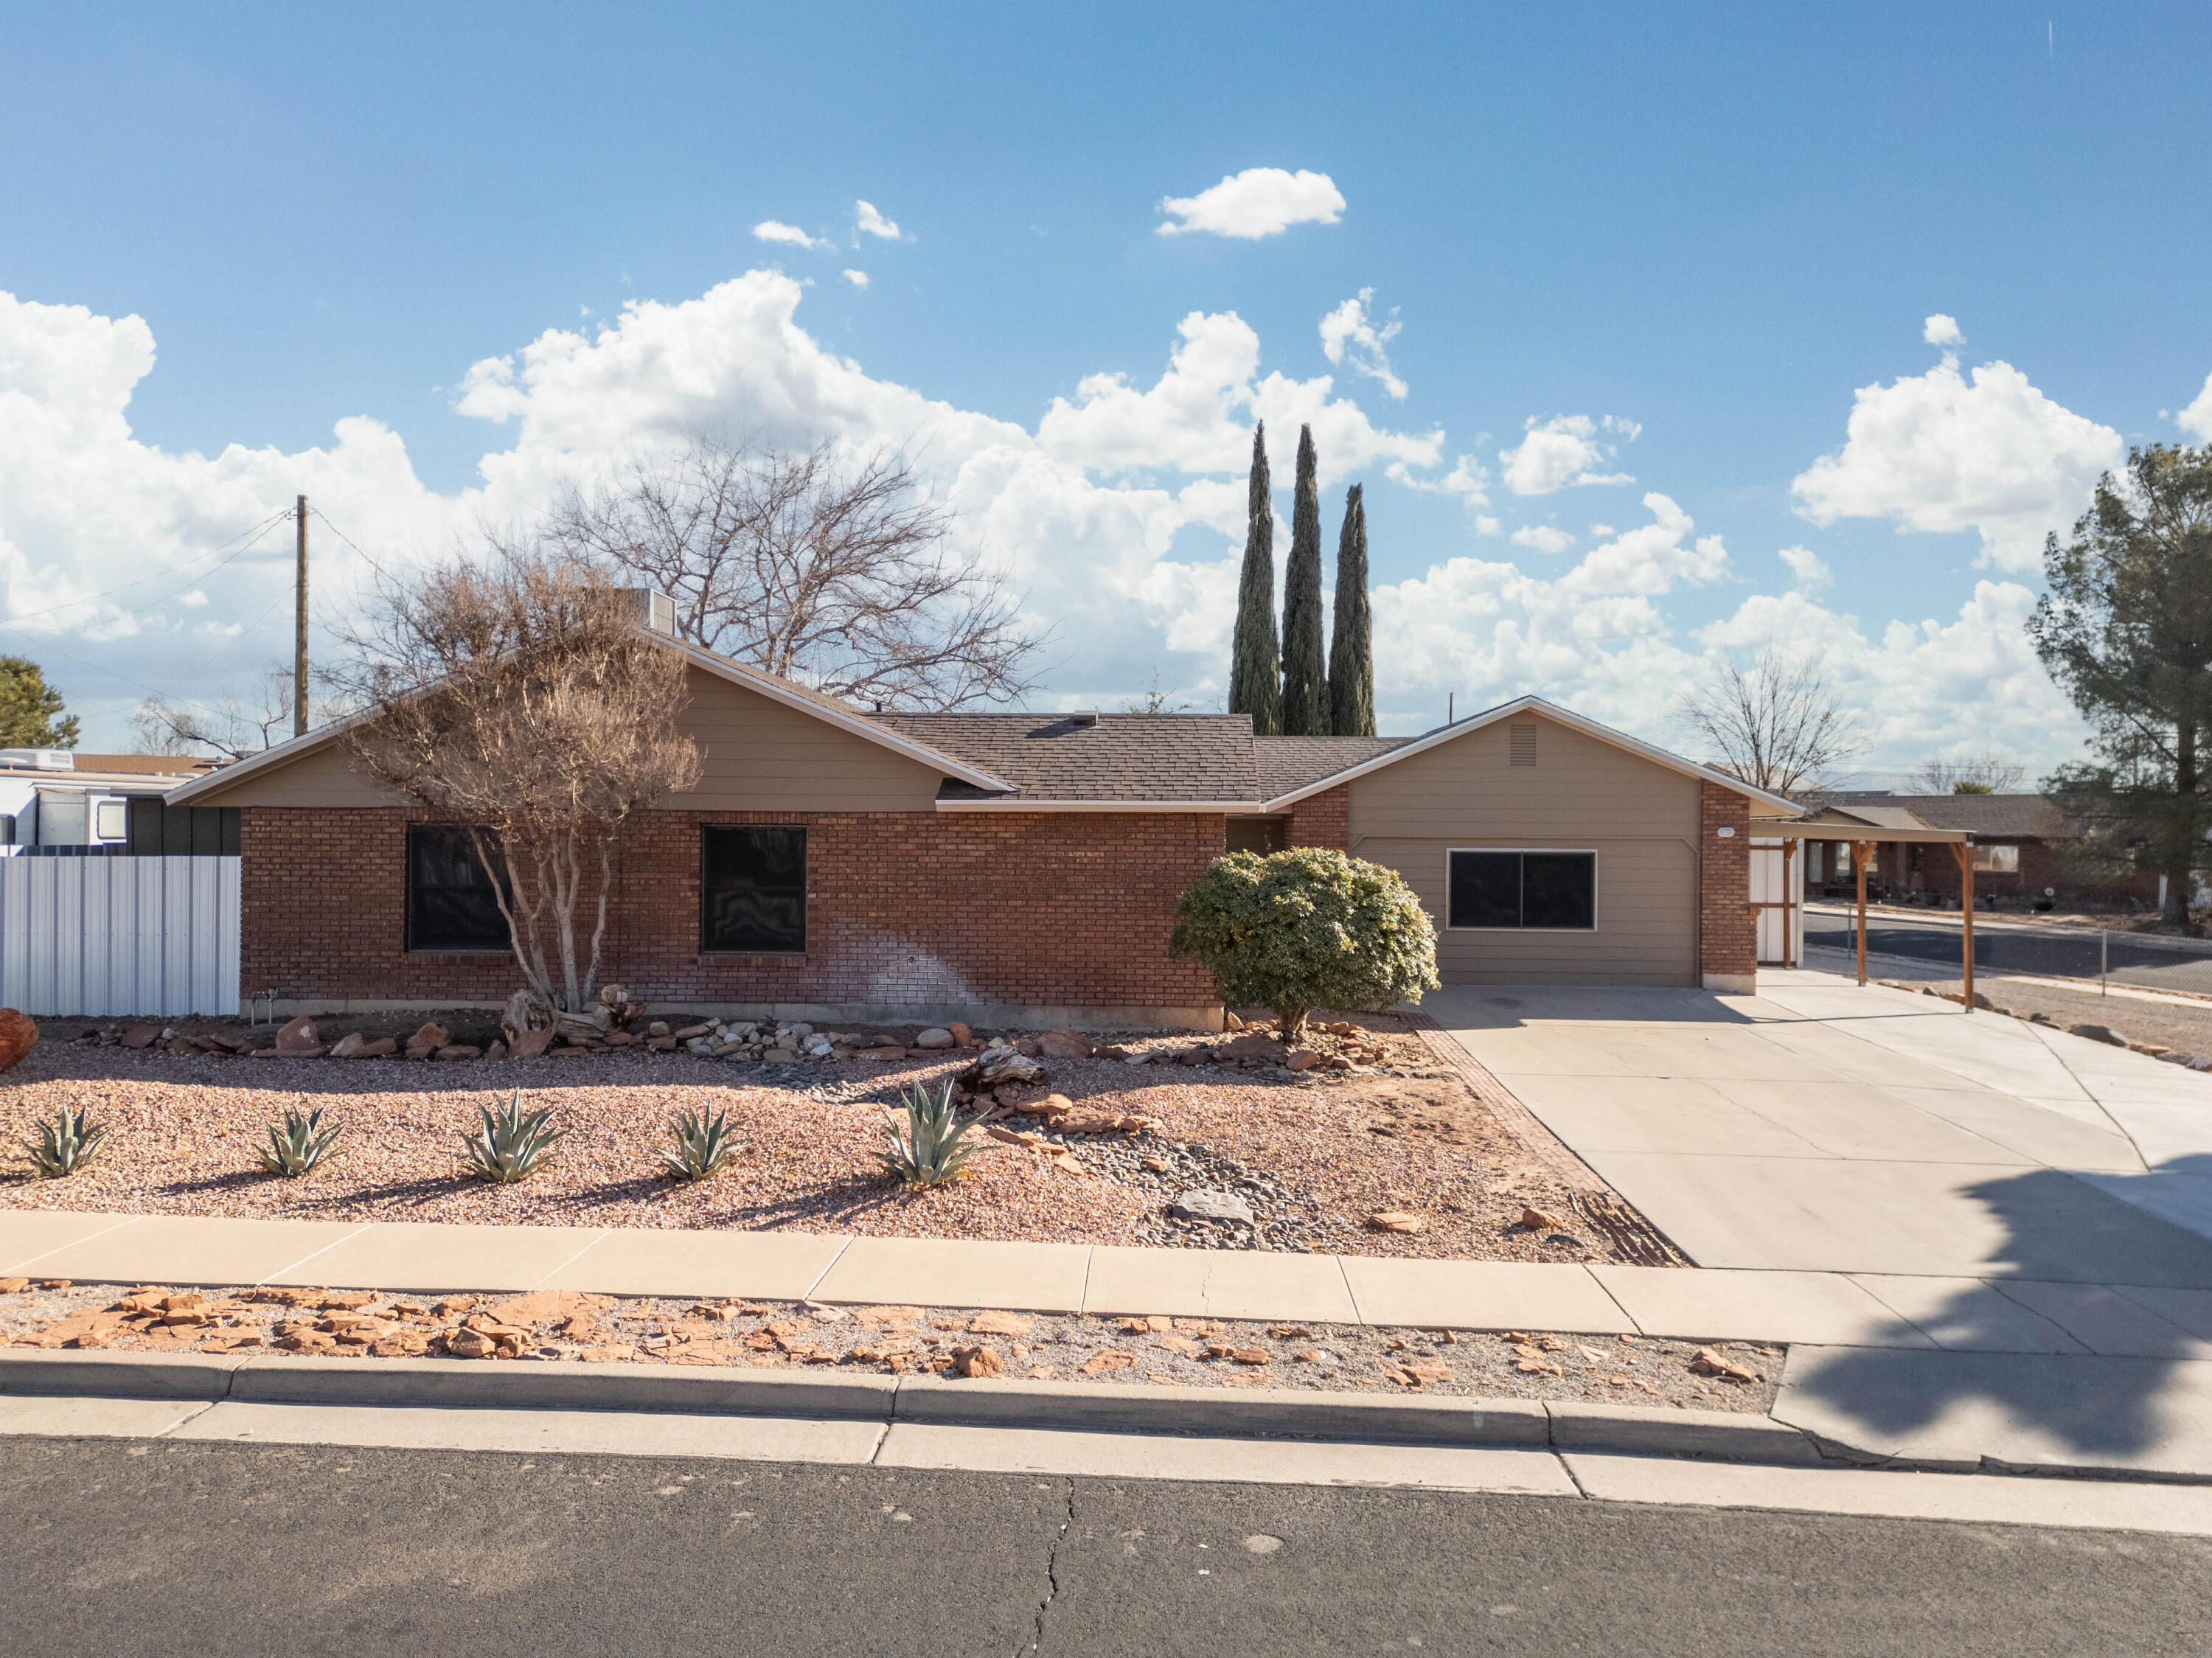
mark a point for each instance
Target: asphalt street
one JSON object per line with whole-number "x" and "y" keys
{"x": 2056, "y": 952}
{"x": 157, "y": 1547}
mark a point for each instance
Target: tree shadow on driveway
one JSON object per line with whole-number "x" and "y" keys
{"x": 2088, "y": 1336}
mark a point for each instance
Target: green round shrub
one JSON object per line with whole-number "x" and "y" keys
{"x": 1308, "y": 928}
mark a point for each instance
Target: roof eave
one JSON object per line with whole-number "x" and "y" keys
{"x": 1198, "y": 808}
{"x": 1780, "y": 806}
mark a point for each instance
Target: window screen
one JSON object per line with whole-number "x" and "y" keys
{"x": 753, "y": 889}
{"x": 451, "y": 905}
{"x": 1551, "y": 890}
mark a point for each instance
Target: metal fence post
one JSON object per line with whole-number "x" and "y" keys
{"x": 2104, "y": 961}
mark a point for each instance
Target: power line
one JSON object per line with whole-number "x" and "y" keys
{"x": 258, "y": 532}
{"x": 349, "y": 542}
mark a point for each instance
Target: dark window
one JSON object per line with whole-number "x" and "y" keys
{"x": 753, "y": 889}
{"x": 1552, "y": 889}
{"x": 451, "y": 905}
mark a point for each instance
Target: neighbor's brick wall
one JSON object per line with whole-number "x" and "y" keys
{"x": 1322, "y": 820}
{"x": 1071, "y": 908}
{"x": 1728, "y": 937}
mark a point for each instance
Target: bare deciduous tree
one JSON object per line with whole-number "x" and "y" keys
{"x": 517, "y": 696}
{"x": 1991, "y": 773}
{"x": 232, "y": 729}
{"x": 823, "y": 565}
{"x": 1775, "y": 724}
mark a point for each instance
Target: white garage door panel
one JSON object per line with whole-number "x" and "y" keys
{"x": 1647, "y": 917}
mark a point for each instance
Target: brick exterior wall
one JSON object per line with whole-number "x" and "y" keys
{"x": 1728, "y": 937}
{"x": 1937, "y": 870}
{"x": 903, "y": 908}
{"x": 1322, "y": 820}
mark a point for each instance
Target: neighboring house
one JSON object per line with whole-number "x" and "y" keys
{"x": 838, "y": 864}
{"x": 59, "y": 802}
{"x": 2017, "y": 838}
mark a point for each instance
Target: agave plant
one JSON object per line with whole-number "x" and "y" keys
{"x": 65, "y": 1145}
{"x": 297, "y": 1144}
{"x": 927, "y": 1150}
{"x": 703, "y": 1145}
{"x": 511, "y": 1144}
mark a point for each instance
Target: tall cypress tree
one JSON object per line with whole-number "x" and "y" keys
{"x": 1305, "y": 672}
{"x": 1254, "y": 677}
{"x": 1351, "y": 641}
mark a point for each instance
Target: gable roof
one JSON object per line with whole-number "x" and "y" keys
{"x": 775, "y": 687}
{"x": 2025, "y": 817}
{"x": 1776, "y": 806}
{"x": 1015, "y": 762}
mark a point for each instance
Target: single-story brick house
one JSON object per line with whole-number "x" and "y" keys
{"x": 2018, "y": 840}
{"x": 838, "y": 864}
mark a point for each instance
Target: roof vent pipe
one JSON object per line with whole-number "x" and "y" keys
{"x": 1084, "y": 717}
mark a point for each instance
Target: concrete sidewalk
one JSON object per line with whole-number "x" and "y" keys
{"x": 1845, "y": 1309}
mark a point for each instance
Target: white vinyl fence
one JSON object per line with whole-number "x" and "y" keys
{"x": 90, "y": 936}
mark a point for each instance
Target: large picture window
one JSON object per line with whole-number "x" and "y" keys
{"x": 451, "y": 904}
{"x": 752, "y": 890}
{"x": 1553, "y": 890}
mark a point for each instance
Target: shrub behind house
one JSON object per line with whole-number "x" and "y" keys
{"x": 1308, "y": 928}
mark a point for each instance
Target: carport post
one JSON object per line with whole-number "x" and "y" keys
{"x": 1860, "y": 852}
{"x": 1965, "y": 855}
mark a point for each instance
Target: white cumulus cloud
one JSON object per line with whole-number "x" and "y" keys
{"x": 872, "y": 224}
{"x": 1198, "y": 416}
{"x": 1807, "y": 566}
{"x": 2198, "y": 417}
{"x": 1349, "y": 336}
{"x": 1940, "y": 329}
{"x": 1260, "y": 201}
{"x": 1543, "y": 537}
{"x": 858, "y": 278}
{"x": 774, "y": 230}
{"x": 1943, "y": 451}
{"x": 1120, "y": 513}
{"x": 1565, "y": 450}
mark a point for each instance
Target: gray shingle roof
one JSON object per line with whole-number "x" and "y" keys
{"x": 1286, "y": 763}
{"x": 1123, "y": 757}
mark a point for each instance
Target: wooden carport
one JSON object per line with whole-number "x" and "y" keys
{"x": 1863, "y": 830}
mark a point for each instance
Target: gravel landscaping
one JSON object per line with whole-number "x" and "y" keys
{"x": 564, "y": 1325}
{"x": 1378, "y": 1149}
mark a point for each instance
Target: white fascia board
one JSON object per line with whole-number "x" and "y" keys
{"x": 1207, "y": 808}
{"x": 765, "y": 685}
{"x": 1782, "y": 806}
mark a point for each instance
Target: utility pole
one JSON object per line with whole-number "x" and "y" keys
{"x": 300, "y": 632}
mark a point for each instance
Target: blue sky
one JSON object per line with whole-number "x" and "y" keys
{"x": 1710, "y": 229}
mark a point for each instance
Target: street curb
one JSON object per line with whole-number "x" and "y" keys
{"x": 1261, "y": 1413}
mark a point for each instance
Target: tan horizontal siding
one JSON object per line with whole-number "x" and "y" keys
{"x": 756, "y": 754}
{"x": 1646, "y": 932}
{"x": 1577, "y": 785}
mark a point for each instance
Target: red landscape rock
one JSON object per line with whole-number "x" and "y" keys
{"x": 18, "y": 1036}
{"x": 1065, "y": 1044}
{"x": 299, "y": 1037}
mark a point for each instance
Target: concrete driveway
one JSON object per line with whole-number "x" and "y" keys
{"x": 1820, "y": 1127}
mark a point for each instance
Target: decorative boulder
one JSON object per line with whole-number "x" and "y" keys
{"x": 18, "y": 1036}
{"x": 1065, "y": 1044}
{"x": 1002, "y": 1067}
{"x": 935, "y": 1038}
{"x": 300, "y": 1036}
{"x": 962, "y": 1036}
{"x": 428, "y": 1040}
